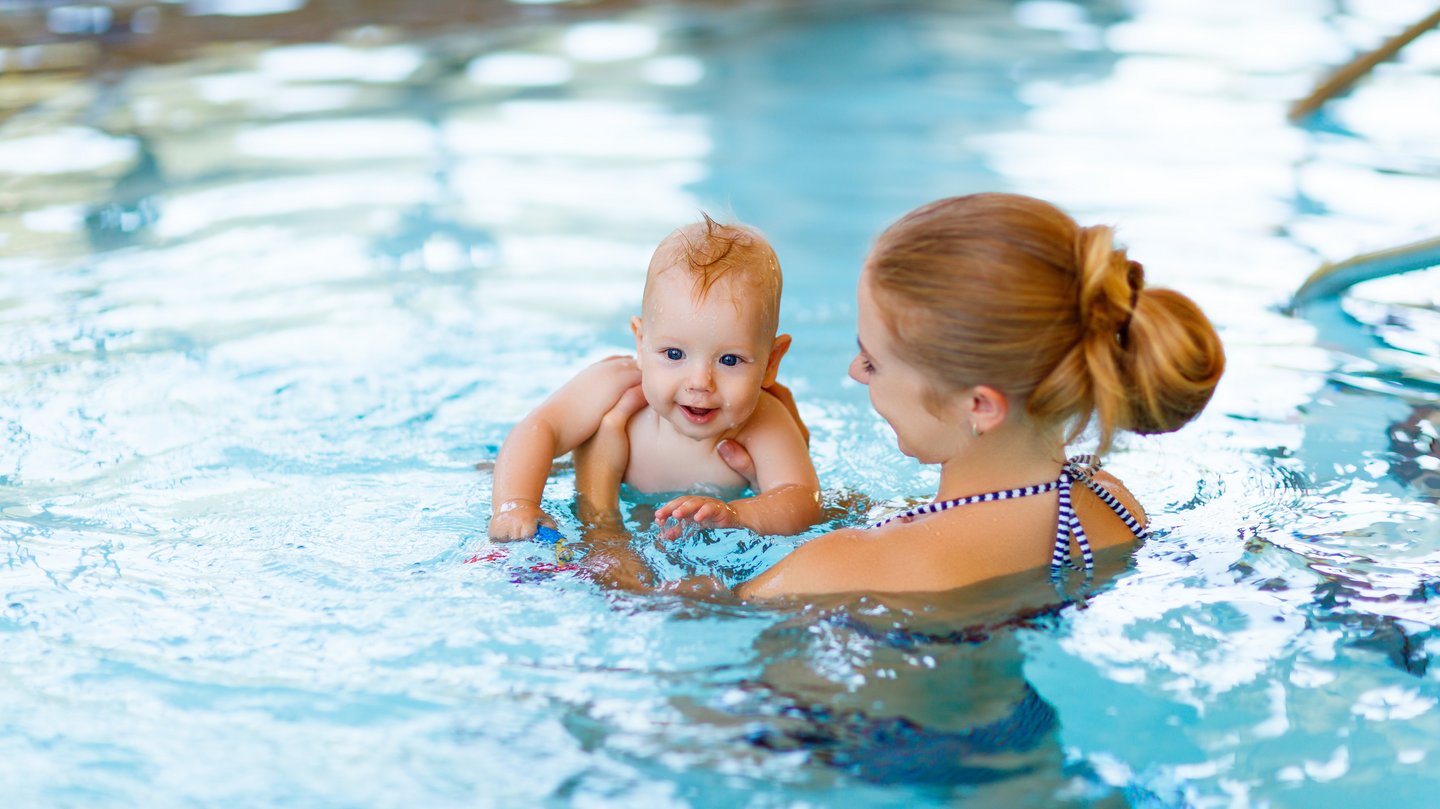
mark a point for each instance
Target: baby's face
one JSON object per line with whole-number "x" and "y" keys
{"x": 702, "y": 363}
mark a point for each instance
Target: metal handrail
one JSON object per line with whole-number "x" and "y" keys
{"x": 1332, "y": 279}
{"x": 1357, "y": 68}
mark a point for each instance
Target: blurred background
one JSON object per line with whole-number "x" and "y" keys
{"x": 277, "y": 278}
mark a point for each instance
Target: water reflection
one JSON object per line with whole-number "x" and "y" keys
{"x": 609, "y": 41}
{"x": 520, "y": 70}
{"x": 924, "y": 695}
{"x": 1416, "y": 439}
{"x": 264, "y": 310}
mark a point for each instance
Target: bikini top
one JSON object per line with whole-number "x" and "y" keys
{"x": 1081, "y": 468}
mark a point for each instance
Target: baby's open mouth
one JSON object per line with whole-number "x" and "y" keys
{"x": 699, "y": 415}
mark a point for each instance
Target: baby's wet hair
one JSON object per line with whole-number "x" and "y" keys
{"x": 1009, "y": 291}
{"x": 711, "y": 251}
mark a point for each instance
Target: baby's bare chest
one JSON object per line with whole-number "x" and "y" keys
{"x": 664, "y": 461}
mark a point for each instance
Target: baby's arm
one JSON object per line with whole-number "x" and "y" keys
{"x": 788, "y": 499}
{"x": 560, "y": 424}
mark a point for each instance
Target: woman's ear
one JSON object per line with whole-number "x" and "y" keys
{"x": 777, "y": 353}
{"x": 988, "y": 408}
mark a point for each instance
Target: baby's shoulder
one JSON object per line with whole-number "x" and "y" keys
{"x": 579, "y": 407}
{"x": 616, "y": 370}
{"x": 769, "y": 414}
{"x": 598, "y": 386}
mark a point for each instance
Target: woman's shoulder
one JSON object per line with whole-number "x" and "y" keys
{"x": 941, "y": 551}
{"x": 1118, "y": 490}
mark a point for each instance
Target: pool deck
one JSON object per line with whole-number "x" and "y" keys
{"x": 45, "y": 50}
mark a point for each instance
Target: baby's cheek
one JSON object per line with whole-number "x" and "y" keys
{"x": 654, "y": 386}
{"x": 742, "y": 411}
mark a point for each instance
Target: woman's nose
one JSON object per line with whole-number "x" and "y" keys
{"x": 855, "y": 366}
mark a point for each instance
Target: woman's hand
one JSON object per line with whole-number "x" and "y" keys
{"x": 735, "y": 456}
{"x": 600, "y": 462}
{"x": 701, "y": 586}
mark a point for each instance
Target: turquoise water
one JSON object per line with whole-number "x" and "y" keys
{"x": 266, "y": 316}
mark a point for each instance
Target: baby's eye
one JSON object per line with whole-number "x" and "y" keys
{"x": 674, "y": 354}
{"x": 730, "y": 360}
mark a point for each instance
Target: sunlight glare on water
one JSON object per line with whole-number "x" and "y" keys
{"x": 267, "y": 313}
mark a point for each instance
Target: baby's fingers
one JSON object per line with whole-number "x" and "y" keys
{"x": 710, "y": 512}
{"x": 502, "y": 530}
{"x": 677, "y": 508}
{"x": 510, "y": 528}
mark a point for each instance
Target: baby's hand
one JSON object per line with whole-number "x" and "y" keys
{"x": 706, "y": 511}
{"x": 517, "y": 519}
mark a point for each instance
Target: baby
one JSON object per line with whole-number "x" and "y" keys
{"x": 706, "y": 348}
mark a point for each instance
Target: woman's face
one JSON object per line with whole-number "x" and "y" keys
{"x": 899, "y": 391}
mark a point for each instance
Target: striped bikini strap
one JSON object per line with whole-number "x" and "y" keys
{"x": 1083, "y": 469}
{"x": 1067, "y": 526}
{"x": 946, "y": 505}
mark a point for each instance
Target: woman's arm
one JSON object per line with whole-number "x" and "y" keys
{"x": 837, "y": 562}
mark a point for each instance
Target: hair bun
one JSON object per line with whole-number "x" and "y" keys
{"x": 1151, "y": 356}
{"x": 1109, "y": 282}
{"x": 1174, "y": 361}
{"x": 1135, "y": 275}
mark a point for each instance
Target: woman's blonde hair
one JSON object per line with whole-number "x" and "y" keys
{"x": 1008, "y": 291}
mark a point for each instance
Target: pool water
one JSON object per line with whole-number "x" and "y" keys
{"x": 266, "y": 315}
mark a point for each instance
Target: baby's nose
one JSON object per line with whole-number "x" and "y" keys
{"x": 700, "y": 378}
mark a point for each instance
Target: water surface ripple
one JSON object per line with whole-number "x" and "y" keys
{"x": 267, "y": 314}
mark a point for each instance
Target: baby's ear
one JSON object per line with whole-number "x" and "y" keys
{"x": 777, "y": 353}
{"x": 635, "y": 328}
